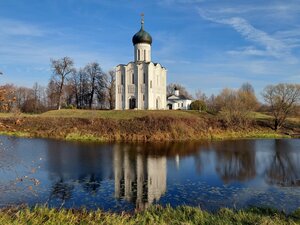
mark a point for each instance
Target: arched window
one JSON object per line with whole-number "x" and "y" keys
{"x": 139, "y": 55}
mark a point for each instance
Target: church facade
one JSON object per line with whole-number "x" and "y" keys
{"x": 141, "y": 84}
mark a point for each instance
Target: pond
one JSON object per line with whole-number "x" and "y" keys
{"x": 116, "y": 177}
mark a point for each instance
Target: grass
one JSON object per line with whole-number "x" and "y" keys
{"x": 153, "y": 215}
{"x": 263, "y": 134}
{"x": 135, "y": 125}
{"x": 114, "y": 114}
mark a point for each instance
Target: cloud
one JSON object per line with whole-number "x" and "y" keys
{"x": 16, "y": 28}
{"x": 271, "y": 46}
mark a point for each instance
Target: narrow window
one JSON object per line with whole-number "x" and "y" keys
{"x": 144, "y": 78}
{"x": 144, "y": 55}
{"x": 181, "y": 104}
{"x": 150, "y": 83}
{"x": 122, "y": 79}
{"x": 133, "y": 78}
{"x": 143, "y": 97}
{"x": 139, "y": 55}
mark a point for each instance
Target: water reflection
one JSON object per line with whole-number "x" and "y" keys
{"x": 235, "y": 161}
{"x": 133, "y": 176}
{"x": 284, "y": 166}
{"x": 139, "y": 178}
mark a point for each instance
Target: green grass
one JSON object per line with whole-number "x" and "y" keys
{"x": 116, "y": 114}
{"x": 225, "y": 135}
{"x": 153, "y": 215}
{"x": 84, "y": 138}
{"x": 15, "y": 133}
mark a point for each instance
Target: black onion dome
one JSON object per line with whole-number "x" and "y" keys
{"x": 142, "y": 37}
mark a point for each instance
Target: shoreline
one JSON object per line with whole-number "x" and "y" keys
{"x": 128, "y": 127}
{"x": 77, "y": 137}
{"x": 153, "y": 215}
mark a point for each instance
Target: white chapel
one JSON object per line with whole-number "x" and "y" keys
{"x": 141, "y": 84}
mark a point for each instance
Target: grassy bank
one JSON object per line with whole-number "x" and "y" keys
{"x": 96, "y": 125}
{"x": 154, "y": 215}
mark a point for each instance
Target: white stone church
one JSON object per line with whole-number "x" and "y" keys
{"x": 141, "y": 84}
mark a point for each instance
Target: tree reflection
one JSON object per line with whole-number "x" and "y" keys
{"x": 235, "y": 161}
{"x": 73, "y": 163}
{"x": 284, "y": 169}
{"x": 61, "y": 190}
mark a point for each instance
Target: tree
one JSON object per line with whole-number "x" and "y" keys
{"x": 79, "y": 85}
{"x": 111, "y": 89}
{"x": 247, "y": 96}
{"x": 199, "y": 105}
{"x": 199, "y": 95}
{"x": 94, "y": 75}
{"x": 7, "y": 97}
{"x": 282, "y": 100}
{"x": 247, "y": 87}
{"x": 182, "y": 90}
{"x": 52, "y": 94}
{"x": 235, "y": 106}
{"x": 61, "y": 68}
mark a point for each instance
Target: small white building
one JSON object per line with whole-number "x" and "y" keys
{"x": 141, "y": 84}
{"x": 177, "y": 101}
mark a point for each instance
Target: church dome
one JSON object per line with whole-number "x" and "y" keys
{"x": 142, "y": 36}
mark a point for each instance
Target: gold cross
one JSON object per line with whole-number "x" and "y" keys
{"x": 142, "y": 15}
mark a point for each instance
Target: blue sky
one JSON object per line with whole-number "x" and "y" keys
{"x": 204, "y": 44}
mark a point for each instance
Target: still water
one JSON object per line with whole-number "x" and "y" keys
{"x": 116, "y": 177}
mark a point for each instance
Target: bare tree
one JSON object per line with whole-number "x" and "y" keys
{"x": 94, "y": 75}
{"x": 52, "y": 94}
{"x": 62, "y": 68}
{"x": 79, "y": 84}
{"x": 282, "y": 99}
{"x": 182, "y": 90}
{"x": 111, "y": 89}
{"x": 247, "y": 87}
{"x": 199, "y": 95}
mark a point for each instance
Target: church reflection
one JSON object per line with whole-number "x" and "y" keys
{"x": 139, "y": 178}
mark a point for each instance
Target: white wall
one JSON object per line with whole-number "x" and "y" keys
{"x": 142, "y": 52}
{"x": 146, "y": 93}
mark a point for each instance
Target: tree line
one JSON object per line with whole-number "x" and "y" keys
{"x": 84, "y": 88}
{"x": 235, "y": 106}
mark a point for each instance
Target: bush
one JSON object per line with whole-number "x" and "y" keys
{"x": 198, "y": 105}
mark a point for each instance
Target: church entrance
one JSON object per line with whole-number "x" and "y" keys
{"x": 132, "y": 103}
{"x": 170, "y": 106}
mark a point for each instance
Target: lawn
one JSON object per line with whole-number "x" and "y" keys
{"x": 117, "y": 114}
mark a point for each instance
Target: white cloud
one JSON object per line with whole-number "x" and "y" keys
{"x": 271, "y": 45}
{"x": 16, "y": 28}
